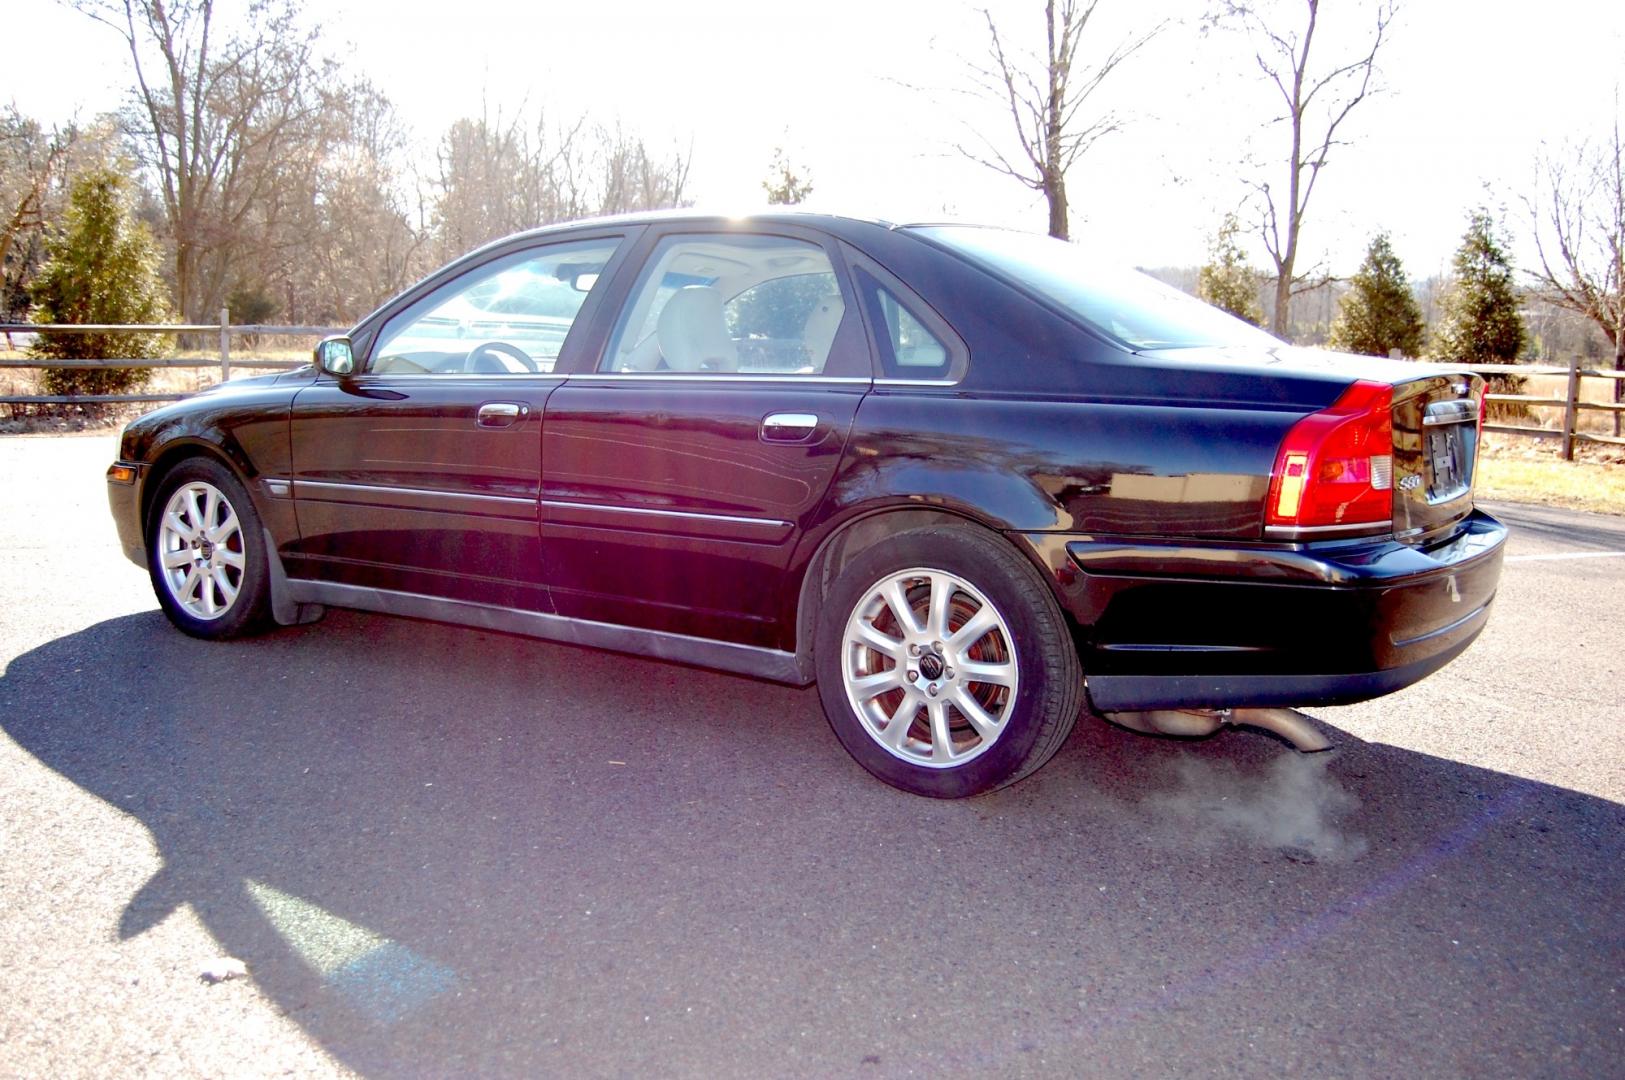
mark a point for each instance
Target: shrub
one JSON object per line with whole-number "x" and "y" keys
{"x": 101, "y": 267}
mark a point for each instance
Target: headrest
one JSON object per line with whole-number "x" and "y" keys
{"x": 693, "y": 334}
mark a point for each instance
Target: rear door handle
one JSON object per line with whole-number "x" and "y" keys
{"x": 496, "y": 414}
{"x": 788, "y": 426}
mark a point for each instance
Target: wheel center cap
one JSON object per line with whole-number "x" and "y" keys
{"x": 931, "y": 666}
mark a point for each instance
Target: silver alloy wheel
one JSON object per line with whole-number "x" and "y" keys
{"x": 200, "y": 550}
{"x": 930, "y": 668}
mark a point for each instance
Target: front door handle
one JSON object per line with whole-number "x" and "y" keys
{"x": 788, "y": 426}
{"x": 496, "y": 414}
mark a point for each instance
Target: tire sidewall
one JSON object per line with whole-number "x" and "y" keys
{"x": 249, "y": 610}
{"x": 976, "y": 561}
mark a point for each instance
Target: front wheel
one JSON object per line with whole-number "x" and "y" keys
{"x": 944, "y": 664}
{"x": 206, "y": 552}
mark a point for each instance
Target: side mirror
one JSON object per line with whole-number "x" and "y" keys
{"x": 336, "y": 356}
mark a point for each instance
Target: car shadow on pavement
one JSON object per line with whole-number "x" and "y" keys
{"x": 449, "y": 852}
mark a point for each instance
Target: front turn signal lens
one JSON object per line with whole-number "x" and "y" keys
{"x": 121, "y": 474}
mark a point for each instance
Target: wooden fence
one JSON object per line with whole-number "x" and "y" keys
{"x": 222, "y": 359}
{"x": 1571, "y": 403}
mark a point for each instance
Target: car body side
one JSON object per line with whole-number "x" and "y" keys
{"x": 1135, "y": 482}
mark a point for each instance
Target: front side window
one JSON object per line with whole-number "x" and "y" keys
{"x": 730, "y": 304}
{"x": 509, "y": 316}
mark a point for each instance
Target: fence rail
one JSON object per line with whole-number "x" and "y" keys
{"x": 222, "y": 358}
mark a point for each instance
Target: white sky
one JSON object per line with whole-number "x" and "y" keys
{"x": 868, "y": 96}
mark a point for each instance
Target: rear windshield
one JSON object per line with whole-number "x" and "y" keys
{"x": 1124, "y": 304}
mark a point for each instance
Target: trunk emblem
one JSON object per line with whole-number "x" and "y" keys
{"x": 1411, "y": 482}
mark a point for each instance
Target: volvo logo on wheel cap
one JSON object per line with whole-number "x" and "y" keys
{"x": 931, "y": 666}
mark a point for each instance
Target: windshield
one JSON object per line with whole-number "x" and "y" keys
{"x": 1124, "y": 304}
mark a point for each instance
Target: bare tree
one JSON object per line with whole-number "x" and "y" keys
{"x": 1046, "y": 95}
{"x": 1578, "y": 217}
{"x": 498, "y": 175}
{"x": 338, "y": 232}
{"x": 1317, "y": 99}
{"x": 631, "y": 176}
{"x": 215, "y": 117}
{"x": 30, "y": 160}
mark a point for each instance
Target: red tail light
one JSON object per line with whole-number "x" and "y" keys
{"x": 1336, "y": 466}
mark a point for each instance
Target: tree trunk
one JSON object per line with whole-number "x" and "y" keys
{"x": 1282, "y": 322}
{"x": 1055, "y": 192}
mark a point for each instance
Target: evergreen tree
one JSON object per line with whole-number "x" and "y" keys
{"x": 102, "y": 267}
{"x": 785, "y": 186}
{"x": 1379, "y": 314}
{"x": 1227, "y": 281}
{"x": 1480, "y": 323}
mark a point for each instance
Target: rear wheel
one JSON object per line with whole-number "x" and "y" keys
{"x": 944, "y": 664}
{"x": 206, "y": 552}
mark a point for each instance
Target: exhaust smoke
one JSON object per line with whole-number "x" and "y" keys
{"x": 1294, "y": 805}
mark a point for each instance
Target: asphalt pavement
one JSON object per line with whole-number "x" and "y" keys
{"x": 438, "y": 852}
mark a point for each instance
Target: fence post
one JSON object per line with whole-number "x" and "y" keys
{"x": 1571, "y": 411}
{"x": 225, "y": 344}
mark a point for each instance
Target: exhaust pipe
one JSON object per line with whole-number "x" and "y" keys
{"x": 1289, "y": 724}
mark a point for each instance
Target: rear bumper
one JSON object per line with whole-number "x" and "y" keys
{"x": 1182, "y": 624}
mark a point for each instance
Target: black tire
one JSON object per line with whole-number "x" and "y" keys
{"x": 1036, "y": 717}
{"x": 243, "y": 612}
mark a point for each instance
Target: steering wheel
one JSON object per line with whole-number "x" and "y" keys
{"x": 507, "y": 358}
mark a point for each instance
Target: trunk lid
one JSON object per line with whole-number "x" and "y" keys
{"x": 1435, "y": 452}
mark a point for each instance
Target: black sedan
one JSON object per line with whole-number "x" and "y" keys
{"x": 964, "y": 479}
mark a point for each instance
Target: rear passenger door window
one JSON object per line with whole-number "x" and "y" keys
{"x": 733, "y": 304}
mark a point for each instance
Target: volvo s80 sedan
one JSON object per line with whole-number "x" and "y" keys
{"x": 968, "y": 481}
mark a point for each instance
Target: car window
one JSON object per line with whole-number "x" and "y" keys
{"x": 1124, "y": 304}
{"x": 509, "y": 316}
{"x": 730, "y": 304}
{"x": 912, "y": 347}
{"x": 908, "y": 349}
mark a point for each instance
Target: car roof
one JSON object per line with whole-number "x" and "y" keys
{"x": 782, "y": 215}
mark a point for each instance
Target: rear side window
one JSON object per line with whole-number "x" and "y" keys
{"x": 909, "y": 348}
